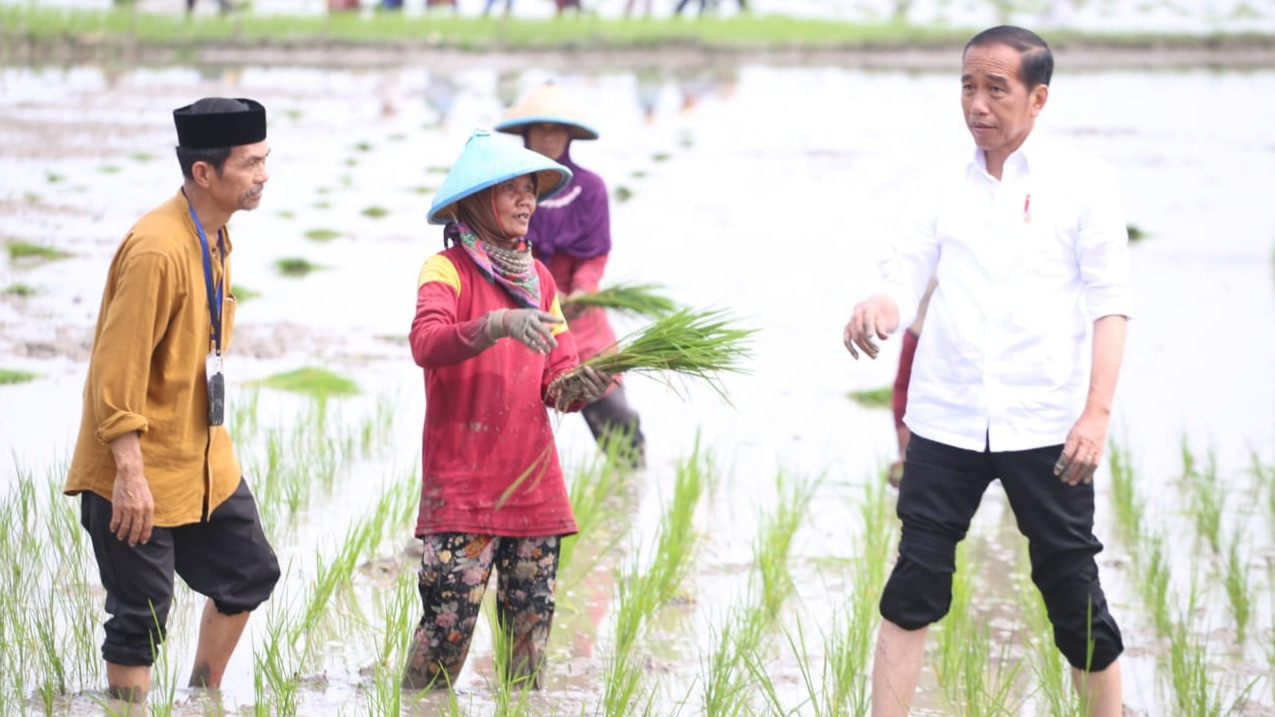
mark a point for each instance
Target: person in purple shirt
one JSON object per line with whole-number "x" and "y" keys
{"x": 571, "y": 234}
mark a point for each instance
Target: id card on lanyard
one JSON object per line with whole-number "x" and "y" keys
{"x": 212, "y": 363}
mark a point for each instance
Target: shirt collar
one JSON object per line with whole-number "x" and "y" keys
{"x": 1019, "y": 163}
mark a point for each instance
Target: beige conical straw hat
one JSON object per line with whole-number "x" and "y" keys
{"x": 546, "y": 103}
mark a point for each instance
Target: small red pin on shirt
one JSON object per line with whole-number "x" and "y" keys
{"x": 1027, "y": 208}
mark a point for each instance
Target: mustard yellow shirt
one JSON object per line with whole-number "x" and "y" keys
{"x": 146, "y": 371}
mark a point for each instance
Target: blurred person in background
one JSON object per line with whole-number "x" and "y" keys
{"x": 899, "y": 391}
{"x": 571, "y": 234}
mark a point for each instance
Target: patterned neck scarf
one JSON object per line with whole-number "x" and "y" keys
{"x": 512, "y": 269}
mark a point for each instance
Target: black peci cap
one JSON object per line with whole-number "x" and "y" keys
{"x": 217, "y": 122}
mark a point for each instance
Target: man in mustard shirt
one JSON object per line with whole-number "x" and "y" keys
{"x": 160, "y": 488}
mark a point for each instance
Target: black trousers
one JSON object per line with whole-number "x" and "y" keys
{"x": 227, "y": 559}
{"x": 942, "y": 487}
{"x": 611, "y": 414}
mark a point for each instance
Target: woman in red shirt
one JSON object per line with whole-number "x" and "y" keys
{"x": 490, "y": 336}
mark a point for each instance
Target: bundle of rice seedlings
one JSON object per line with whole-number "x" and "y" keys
{"x": 698, "y": 344}
{"x": 635, "y": 299}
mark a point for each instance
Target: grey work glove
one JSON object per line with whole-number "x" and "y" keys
{"x": 530, "y": 327}
{"x": 593, "y": 384}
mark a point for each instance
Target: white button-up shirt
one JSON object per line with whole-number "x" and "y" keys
{"x": 1025, "y": 265}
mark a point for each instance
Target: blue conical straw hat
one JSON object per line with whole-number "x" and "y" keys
{"x": 546, "y": 103}
{"x": 486, "y": 161}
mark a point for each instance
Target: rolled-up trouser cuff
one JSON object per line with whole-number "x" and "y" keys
{"x": 1080, "y": 618}
{"x": 914, "y": 596}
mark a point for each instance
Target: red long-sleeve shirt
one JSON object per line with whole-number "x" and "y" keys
{"x": 490, "y": 465}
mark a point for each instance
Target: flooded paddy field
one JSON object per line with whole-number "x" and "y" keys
{"x": 737, "y": 573}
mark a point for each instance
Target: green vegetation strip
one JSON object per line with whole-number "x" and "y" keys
{"x": 8, "y": 376}
{"x": 175, "y": 30}
{"x": 314, "y": 381}
{"x": 322, "y": 234}
{"x": 20, "y": 290}
{"x": 126, "y": 25}
{"x": 27, "y": 250}
{"x": 873, "y": 397}
{"x": 296, "y": 266}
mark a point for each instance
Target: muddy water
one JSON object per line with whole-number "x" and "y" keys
{"x": 767, "y": 191}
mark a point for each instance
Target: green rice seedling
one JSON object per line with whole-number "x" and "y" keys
{"x": 141, "y": 156}
{"x": 698, "y": 344}
{"x": 771, "y": 552}
{"x": 1207, "y": 499}
{"x": 322, "y": 204}
{"x": 19, "y": 290}
{"x": 363, "y": 146}
{"x": 1270, "y": 592}
{"x": 375, "y": 212}
{"x": 594, "y": 492}
{"x": 164, "y": 688}
{"x": 243, "y": 293}
{"x": 322, "y": 234}
{"x": 625, "y": 691}
{"x": 386, "y": 693}
{"x": 11, "y": 376}
{"x": 727, "y": 688}
{"x": 109, "y": 169}
{"x": 622, "y": 194}
{"x": 988, "y": 693}
{"x": 54, "y": 177}
{"x": 626, "y": 298}
{"x": 295, "y": 266}
{"x": 847, "y": 648}
{"x": 510, "y": 691}
{"x": 842, "y": 688}
{"x": 1135, "y": 233}
{"x": 676, "y": 537}
{"x": 955, "y": 630}
{"x": 873, "y": 397}
{"x": 27, "y": 251}
{"x": 661, "y": 157}
{"x": 31, "y": 198}
{"x": 764, "y": 685}
{"x": 275, "y": 678}
{"x": 1130, "y": 507}
{"x": 310, "y": 380}
{"x": 1050, "y": 671}
{"x": 286, "y": 214}
{"x": 878, "y": 535}
{"x": 1154, "y": 574}
{"x": 1265, "y": 476}
{"x": 1239, "y": 589}
{"x": 1193, "y": 688}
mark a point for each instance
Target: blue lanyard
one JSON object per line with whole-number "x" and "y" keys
{"x": 214, "y": 294}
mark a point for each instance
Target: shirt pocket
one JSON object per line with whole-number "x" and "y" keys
{"x": 228, "y": 306}
{"x": 1044, "y": 245}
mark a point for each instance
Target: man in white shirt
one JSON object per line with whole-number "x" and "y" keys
{"x": 1028, "y": 244}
